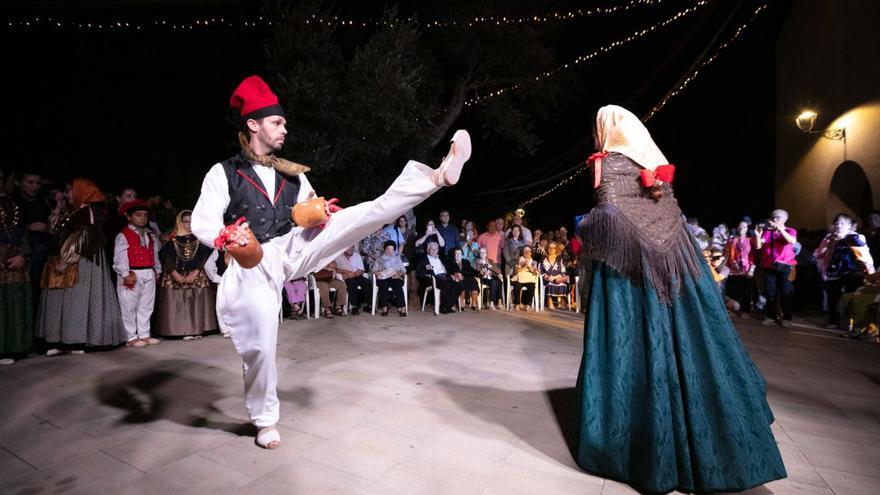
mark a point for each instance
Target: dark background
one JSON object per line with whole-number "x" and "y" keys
{"x": 146, "y": 109}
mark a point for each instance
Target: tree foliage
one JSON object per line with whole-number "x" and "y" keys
{"x": 359, "y": 104}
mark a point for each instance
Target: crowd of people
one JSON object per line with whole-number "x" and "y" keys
{"x": 758, "y": 267}
{"x": 83, "y": 270}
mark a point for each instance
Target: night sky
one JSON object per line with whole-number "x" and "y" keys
{"x": 147, "y": 109}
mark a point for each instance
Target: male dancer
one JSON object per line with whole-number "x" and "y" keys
{"x": 262, "y": 188}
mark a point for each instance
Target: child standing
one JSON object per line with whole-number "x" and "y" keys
{"x": 136, "y": 262}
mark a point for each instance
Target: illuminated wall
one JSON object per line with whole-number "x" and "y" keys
{"x": 828, "y": 60}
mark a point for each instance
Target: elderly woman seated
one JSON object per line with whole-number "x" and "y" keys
{"x": 555, "y": 277}
{"x": 390, "y": 273}
{"x": 524, "y": 280}
{"x": 490, "y": 276}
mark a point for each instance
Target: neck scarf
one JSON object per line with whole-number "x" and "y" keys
{"x": 143, "y": 235}
{"x": 285, "y": 167}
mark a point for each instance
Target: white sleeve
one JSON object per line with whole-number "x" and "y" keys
{"x": 211, "y": 267}
{"x": 120, "y": 255}
{"x": 207, "y": 216}
{"x": 357, "y": 262}
{"x": 305, "y": 189}
{"x": 157, "y": 265}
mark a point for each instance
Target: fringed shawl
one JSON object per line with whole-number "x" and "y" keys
{"x": 642, "y": 238}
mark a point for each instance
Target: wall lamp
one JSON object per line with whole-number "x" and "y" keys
{"x": 807, "y": 120}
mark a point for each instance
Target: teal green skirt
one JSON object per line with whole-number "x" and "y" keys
{"x": 667, "y": 397}
{"x": 16, "y": 319}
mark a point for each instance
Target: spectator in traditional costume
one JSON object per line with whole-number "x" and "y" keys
{"x": 16, "y": 305}
{"x": 137, "y": 266}
{"x": 34, "y": 210}
{"x": 844, "y": 260}
{"x": 555, "y": 277}
{"x": 78, "y": 305}
{"x": 185, "y": 306}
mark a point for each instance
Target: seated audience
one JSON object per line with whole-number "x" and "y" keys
{"x": 555, "y": 278}
{"x": 490, "y": 276}
{"x": 390, "y": 274}
{"x": 430, "y": 269}
{"x": 326, "y": 279}
{"x": 464, "y": 277}
{"x": 350, "y": 267}
{"x": 524, "y": 280}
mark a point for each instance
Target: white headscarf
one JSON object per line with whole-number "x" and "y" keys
{"x": 617, "y": 129}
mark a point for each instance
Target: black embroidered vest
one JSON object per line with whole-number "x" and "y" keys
{"x": 247, "y": 200}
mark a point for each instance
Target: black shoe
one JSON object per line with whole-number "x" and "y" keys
{"x": 444, "y": 311}
{"x": 401, "y": 313}
{"x": 355, "y": 311}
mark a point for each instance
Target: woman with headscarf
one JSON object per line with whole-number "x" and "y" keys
{"x": 667, "y": 397}
{"x": 78, "y": 306}
{"x": 185, "y": 303}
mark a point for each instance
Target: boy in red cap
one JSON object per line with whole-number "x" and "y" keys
{"x": 136, "y": 263}
{"x": 261, "y": 188}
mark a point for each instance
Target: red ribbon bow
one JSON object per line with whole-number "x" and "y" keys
{"x": 596, "y": 161}
{"x": 663, "y": 173}
{"x": 223, "y": 238}
{"x": 596, "y": 156}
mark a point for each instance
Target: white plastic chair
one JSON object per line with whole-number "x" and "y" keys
{"x": 509, "y": 292}
{"x": 313, "y": 286}
{"x": 436, "y": 296}
{"x": 376, "y": 293}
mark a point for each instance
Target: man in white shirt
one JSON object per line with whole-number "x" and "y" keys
{"x": 350, "y": 269}
{"x": 431, "y": 270}
{"x": 262, "y": 189}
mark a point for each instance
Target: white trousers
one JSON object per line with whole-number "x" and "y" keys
{"x": 249, "y": 300}
{"x": 137, "y": 304}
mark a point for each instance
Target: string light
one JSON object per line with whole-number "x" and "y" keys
{"x": 578, "y": 171}
{"x": 690, "y": 78}
{"x": 589, "y": 56}
{"x": 26, "y": 23}
{"x": 581, "y": 166}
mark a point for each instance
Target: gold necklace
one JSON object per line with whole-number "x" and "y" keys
{"x": 9, "y": 215}
{"x": 187, "y": 251}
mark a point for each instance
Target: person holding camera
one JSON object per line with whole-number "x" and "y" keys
{"x": 431, "y": 235}
{"x": 776, "y": 243}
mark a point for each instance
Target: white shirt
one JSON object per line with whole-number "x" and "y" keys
{"x": 436, "y": 264}
{"x": 207, "y": 216}
{"x": 211, "y": 267}
{"x": 353, "y": 264}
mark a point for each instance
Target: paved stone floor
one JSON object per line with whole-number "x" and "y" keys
{"x": 458, "y": 404}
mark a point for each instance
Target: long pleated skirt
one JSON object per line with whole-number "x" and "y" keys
{"x": 667, "y": 397}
